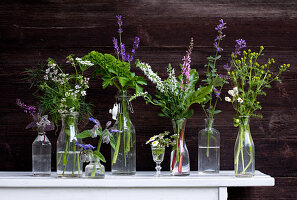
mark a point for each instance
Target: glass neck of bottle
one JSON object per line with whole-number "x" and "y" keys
{"x": 209, "y": 123}
{"x": 69, "y": 119}
{"x": 124, "y": 106}
{"x": 179, "y": 126}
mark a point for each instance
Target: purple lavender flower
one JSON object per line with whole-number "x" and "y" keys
{"x": 123, "y": 52}
{"x": 120, "y": 22}
{"x": 219, "y": 28}
{"x": 227, "y": 67}
{"x": 120, "y": 30}
{"x": 116, "y": 46}
{"x": 27, "y": 109}
{"x": 135, "y": 44}
{"x": 240, "y": 43}
{"x": 225, "y": 77}
{"x": 108, "y": 124}
{"x": 217, "y": 92}
{"x": 85, "y": 146}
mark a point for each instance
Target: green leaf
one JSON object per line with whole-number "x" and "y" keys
{"x": 189, "y": 114}
{"x": 123, "y": 81}
{"x": 84, "y": 134}
{"x": 138, "y": 89}
{"x": 217, "y": 112}
{"x": 97, "y": 154}
{"x": 112, "y": 141}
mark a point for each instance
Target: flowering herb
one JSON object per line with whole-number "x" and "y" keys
{"x": 62, "y": 92}
{"x": 41, "y": 123}
{"x": 115, "y": 71}
{"x": 212, "y": 77}
{"x": 104, "y": 135}
{"x": 175, "y": 95}
{"x": 249, "y": 79}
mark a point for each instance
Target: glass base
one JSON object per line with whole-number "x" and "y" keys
{"x": 41, "y": 174}
{"x": 180, "y": 174}
{"x": 69, "y": 176}
{"x": 207, "y": 172}
{"x": 119, "y": 173}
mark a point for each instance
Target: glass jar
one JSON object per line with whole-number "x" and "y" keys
{"x": 209, "y": 149}
{"x": 41, "y": 154}
{"x": 68, "y": 154}
{"x": 244, "y": 150}
{"x": 95, "y": 169}
{"x": 179, "y": 159}
{"x": 123, "y": 157}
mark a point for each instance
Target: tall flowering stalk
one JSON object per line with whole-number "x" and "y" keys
{"x": 249, "y": 79}
{"x": 174, "y": 96}
{"x": 215, "y": 79}
{"x": 115, "y": 71}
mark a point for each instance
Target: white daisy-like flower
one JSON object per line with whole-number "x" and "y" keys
{"x": 155, "y": 143}
{"x": 228, "y": 99}
{"x": 239, "y": 100}
{"x": 151, "y": 139}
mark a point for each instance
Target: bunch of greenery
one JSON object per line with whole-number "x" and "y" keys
{"x": 249, "y": 79}
{"x": 160, "y": 140}
{"x": 175, "y": 95}
{"x": 60, "y": 92}
{"x": 114, "y": 72}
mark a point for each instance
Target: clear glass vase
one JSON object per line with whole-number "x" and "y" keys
{"x": 158, "y": 157}
{"x": 95, "y": 169}
{"x": 244, "y": 150}
{"x": 209, "y": 149}
{"x": 68, "y": 154}
{"x": 41, "y": 154}
{"x": 179, "y": 159}
{"x": 123, "y": 157}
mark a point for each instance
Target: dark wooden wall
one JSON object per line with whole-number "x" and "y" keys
{"x": 32, "y": 31}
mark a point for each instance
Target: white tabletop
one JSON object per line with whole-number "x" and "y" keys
{"x": 141, "y": 179}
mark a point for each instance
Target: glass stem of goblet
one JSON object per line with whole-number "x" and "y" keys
{"x": 158, "y": 168}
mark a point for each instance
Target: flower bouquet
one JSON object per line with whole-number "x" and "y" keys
{"x": 209, "y": 138}
{"x": 250, "y": 79}
{"x": 175, "y": 95}
{"x": 115, "y": 71}
{"x": 63, "y": 95}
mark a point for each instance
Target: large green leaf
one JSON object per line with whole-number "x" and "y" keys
{"x": 97, "y": 154}
{"x": 123, "y": 81}
{"x": 84, "y": 134}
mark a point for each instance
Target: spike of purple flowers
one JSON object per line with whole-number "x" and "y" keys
{"x": 186, "y": 67}
{"x": 27, "y": 109}
{"x": 123, "y": 52}
{"x": 116, "y": 46}
{"x": 217, "y": 92}
{"x": 240, "y": 43}
{"x": 120, "y": 22}
{"x": 219, "y": 28}
{"x": 135, "y": 44}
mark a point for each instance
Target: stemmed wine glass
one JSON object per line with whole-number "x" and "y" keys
{"x": 158, "y": 157}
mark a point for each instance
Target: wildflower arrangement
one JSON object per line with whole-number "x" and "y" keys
{"x": 250, "y": 79}
{"x": 40, "y": 122}
{"x": 62, "y": 92}
{"x": 159, "y": 141}
{"x": 212, "y": 77}
{"x": 115, "y": 71}
{"x": 176, "y": 94}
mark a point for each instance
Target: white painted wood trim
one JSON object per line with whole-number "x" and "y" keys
{"x": 223, "y": 194}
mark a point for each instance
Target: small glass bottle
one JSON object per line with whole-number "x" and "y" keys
{"x": 179, "y": 159}
{"x": 41, "y": 154}
{"x": 244, "y": 150}
{"x": 123, "y": 157}
{"x": 95, "y": 169}
{"x": 209, "y": 149}
{"x": 68, "y": 154}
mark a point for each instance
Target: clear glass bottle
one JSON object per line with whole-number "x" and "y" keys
{"x": 179, "y": 159}
{"x": 209, "y": 149}
{"x": 158, "y": 157}
{"x": 244, "y": 150}
{"x": 41, "y": 154}
{"x": 123, "y": 157}
{"x": 68, "y": 154}
{"x": 95, "y": 169}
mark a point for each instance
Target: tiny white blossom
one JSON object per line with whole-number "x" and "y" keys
{"x": 63, "y": 100}
{"x": 228, "y": 99}
{"x": 83, "y": 93}
{"x": 231, "y": 92}
{"x": 239, "y": 100}
{"x": 45, "y": 77}
{"x": 71, "y": 109}
{"x": 155, "y": 143}
{"x": 77, "y": 87}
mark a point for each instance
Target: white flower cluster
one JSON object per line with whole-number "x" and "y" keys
{"x": 171, "y": 82}
{"x": 147, "y": 70}
{"x": 234, "y": 94}
{"x": 84, "y": 62}
{"x": 51, "y": 73}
